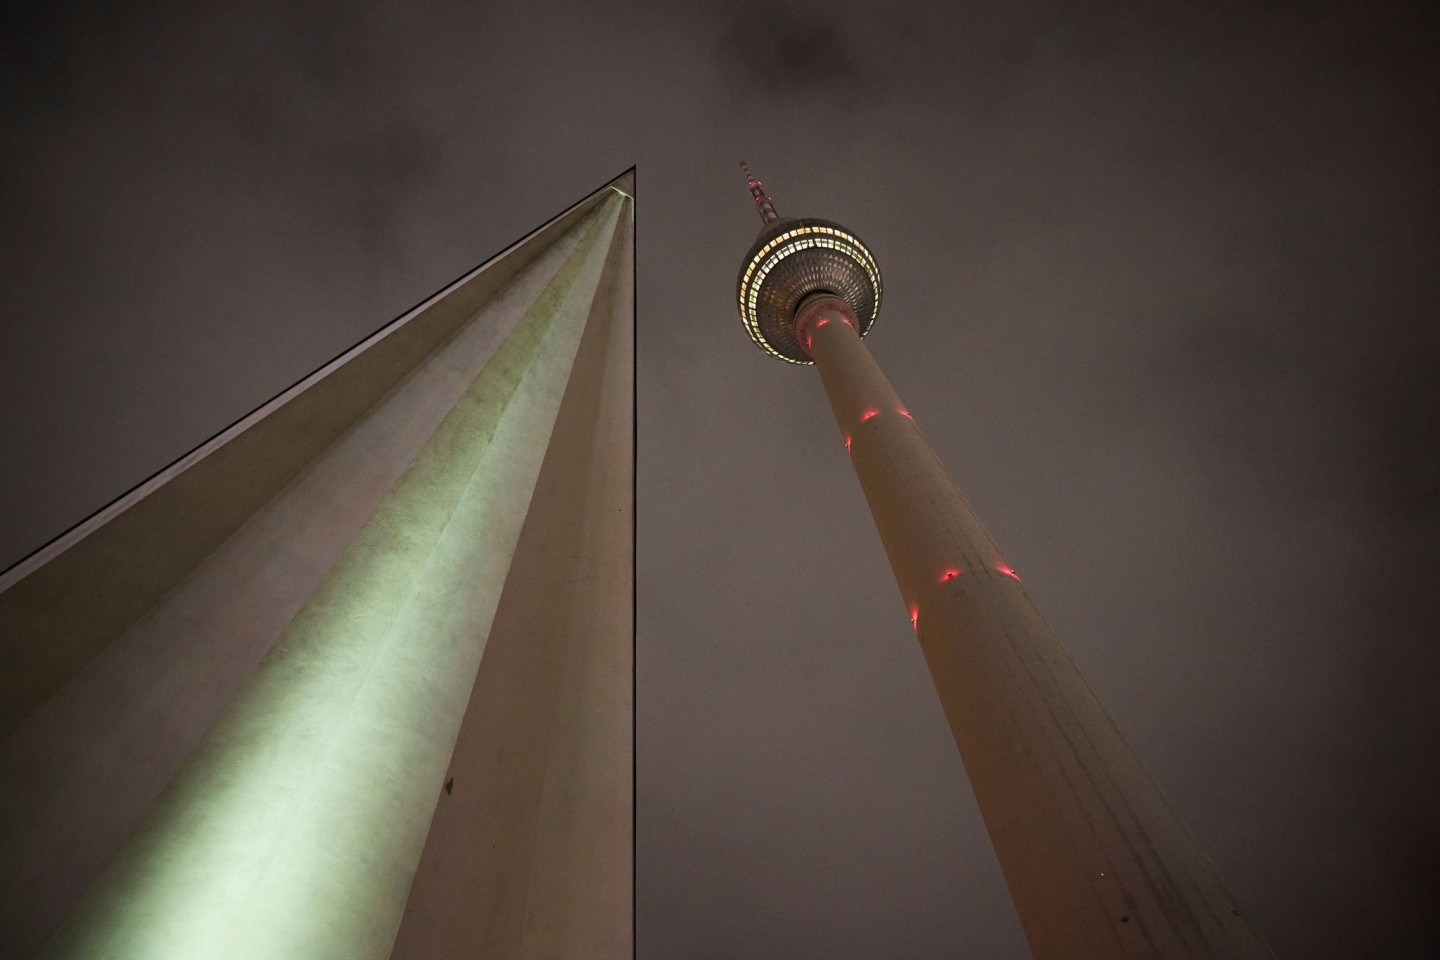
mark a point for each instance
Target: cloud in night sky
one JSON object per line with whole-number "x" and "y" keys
{"x": 1160, "y": 287}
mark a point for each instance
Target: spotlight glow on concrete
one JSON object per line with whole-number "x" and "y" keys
{"x": 295, "y": 828}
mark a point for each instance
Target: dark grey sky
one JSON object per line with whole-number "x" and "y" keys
{"x": 1160, "y": 285}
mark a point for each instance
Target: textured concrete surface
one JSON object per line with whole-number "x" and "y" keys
{"x": 1098, "y": 863}
{"x": 262, "y": 742}
{"x": 100, "y": 750}
{"x": 530, "y": 852}
{"x": 128, "y": 556}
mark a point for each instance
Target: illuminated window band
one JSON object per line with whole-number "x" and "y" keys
{"x": 769, "y": 256}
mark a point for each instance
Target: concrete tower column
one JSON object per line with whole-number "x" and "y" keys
{"x": 230, "y": 701}
{"x": 1097, "y": 861}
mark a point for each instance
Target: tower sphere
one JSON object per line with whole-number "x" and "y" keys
{"x": 793, "y": 258}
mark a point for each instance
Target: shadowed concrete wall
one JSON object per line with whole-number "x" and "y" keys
{"x": 258, "y": 661}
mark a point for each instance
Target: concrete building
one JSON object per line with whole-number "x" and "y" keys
{"x": 1096, "y": 860}
{"x": 353, "y": 679}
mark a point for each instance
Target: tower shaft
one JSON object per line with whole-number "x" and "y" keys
{"x": 1097, "y": 861}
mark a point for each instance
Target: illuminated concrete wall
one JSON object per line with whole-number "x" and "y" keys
{"x": 536, "y": 830}
{"x": 231, "y": 699}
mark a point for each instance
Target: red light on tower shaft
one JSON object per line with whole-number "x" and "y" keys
{"x": 869, "y": 414}
{"x": 1008, "y": 570}
{"x": 950, "y": 574}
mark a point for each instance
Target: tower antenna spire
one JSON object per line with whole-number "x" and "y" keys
{"x": 763, "y": 203}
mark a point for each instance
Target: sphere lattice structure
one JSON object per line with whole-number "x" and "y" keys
{"x": 793, "y": 258}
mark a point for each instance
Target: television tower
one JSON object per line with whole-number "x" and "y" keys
{"x": 1098, "y": 863}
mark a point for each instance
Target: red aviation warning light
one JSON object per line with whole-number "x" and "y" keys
{"x": 764, "y": 204}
